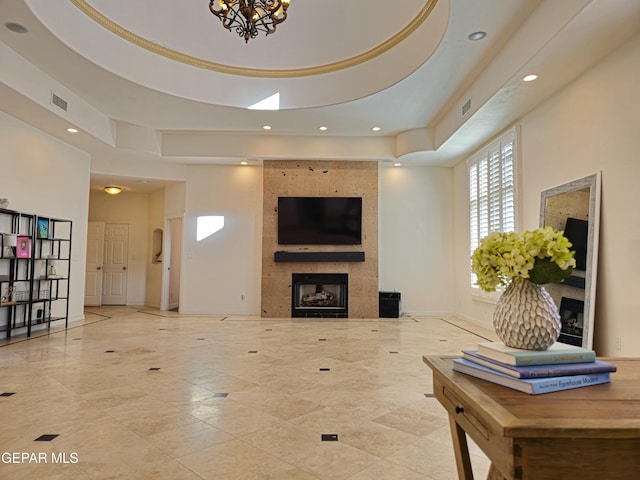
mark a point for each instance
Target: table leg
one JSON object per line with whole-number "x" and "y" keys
{"x": 461, "y": 450}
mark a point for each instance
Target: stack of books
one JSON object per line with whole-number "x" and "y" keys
{"x": 560, "y": 367}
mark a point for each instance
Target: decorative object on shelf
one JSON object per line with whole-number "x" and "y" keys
{"x": 52, "y": 271}
{"x": 6, "y": 298}
{"x": 9, "y": 246}
{"x": 23, "y": 247}
{"x": 43, "y": 228}
{"x": 525, "y": 316}
{"x": 21, "y": 295}
{"x": 248, "y": 17}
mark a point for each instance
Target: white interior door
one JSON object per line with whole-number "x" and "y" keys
{"x": 116, "y": 247}
{"x": 95, "y": 256}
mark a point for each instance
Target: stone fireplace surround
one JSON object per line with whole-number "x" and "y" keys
{"x": 320, "y": 178}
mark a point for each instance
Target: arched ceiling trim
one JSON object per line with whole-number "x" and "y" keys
{"x": 370, "y": 54}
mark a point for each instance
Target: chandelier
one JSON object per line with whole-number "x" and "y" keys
{"x": 248, "y": 17}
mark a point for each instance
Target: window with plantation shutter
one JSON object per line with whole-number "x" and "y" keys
{"x": 492, "y": 190}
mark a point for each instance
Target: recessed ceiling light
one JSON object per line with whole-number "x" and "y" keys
{"x": 397, "y": 164}
{"x": 322, "y": 129}
{"x": 266, "y": 127}
{"x": 475, "y": 36}
{"x": 376, "y": 129}
{"x": 530, "y": 78}
{"x": 72, "y": 130}
{"x": 244, "y": 163}
{"x": 16, "y": 27}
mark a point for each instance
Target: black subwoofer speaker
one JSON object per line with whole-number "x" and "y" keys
{"x": 389, "y": 304}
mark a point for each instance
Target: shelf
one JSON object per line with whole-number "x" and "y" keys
{"x": 32, "y": 302}
{"x": 319, "y": 256}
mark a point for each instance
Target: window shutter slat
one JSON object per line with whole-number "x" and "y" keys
{"x": 492, "y": 189}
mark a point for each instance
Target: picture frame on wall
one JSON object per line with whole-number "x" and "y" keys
{"x": 23, "y": 247}
{"x": 43, "y": 228}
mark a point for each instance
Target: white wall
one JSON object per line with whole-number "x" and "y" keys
{"x": 218, "y": 270}
{"x": 590, "y": 125}
{"x": 42, "y": 175}
{"x": 415, "y": 238}
{"x": 153, "y": 288}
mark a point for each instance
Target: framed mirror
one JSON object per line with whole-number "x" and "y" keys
{"x": 574, "y": 208}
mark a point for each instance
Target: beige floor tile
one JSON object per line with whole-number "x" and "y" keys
{"x": 414, "y": 421}
{"x": 226, "y": 460}
{"x": 385, "y": 470}
{"x": 376, "y": 439}
{"x": 282, "y": 439}
{"x": 277, "y": 404}
{"x": 124, "y": 421}
{"x": 331, "y": 460}
{"x": 187, "y": 439}
{"x": 427, "y": 457}
{"x": 276, "y": 470}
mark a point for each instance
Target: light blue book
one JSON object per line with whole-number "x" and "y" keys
{"x": 532, "y": 386}
{"x": 555, "y": 354}
{"x": 537, "y": 371}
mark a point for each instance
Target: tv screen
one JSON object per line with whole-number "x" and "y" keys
{"x": 576, "y": 231}
{"x": 319, "y": 220}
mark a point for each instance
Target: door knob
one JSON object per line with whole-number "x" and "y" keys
{"x": 124, "y": 268}
{"x": 98, "y": 268}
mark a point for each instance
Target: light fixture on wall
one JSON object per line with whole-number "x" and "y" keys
{"x": 112, "y": 190}
{"x": 248, "y": 17}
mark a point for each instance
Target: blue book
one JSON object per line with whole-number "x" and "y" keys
{"x": 532, "y": 386}
{"x": 540, "y": 371}
{"x": 556, "y": 353}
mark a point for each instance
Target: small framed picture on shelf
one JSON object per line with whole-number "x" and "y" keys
{"x": 43, "y": 228}
{"x": 23, "y": 247}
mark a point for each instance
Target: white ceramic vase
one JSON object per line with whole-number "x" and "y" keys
{"x": 526, "y": 316}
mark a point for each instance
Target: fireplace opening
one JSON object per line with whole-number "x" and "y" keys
{"x": 319, "y": 295}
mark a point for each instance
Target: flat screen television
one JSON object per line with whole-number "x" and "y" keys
{"x": 576, "y": 231}
{"x": 319, "y": 220}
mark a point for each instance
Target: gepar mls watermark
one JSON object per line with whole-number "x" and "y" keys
{"x": 39, "y": 457}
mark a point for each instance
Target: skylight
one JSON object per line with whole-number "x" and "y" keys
{"x": 269, "y": 103}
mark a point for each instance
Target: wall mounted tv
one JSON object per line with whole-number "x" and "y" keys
{"x": 319, "y": 220}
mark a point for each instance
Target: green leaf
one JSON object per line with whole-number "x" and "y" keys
{"x": 546, "y": 271}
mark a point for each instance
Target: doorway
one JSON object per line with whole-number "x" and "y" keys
{"x": 172, "y": 258}
{"x": 106, "y": 276}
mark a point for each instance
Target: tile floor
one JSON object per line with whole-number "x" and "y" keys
{"x": 135, "y": 393}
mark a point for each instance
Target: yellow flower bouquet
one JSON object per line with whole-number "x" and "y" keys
{"x": 541, "y": 256}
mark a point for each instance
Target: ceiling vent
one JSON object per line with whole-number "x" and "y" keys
{"x": 466, "y": 107}
{"x": 59, "y": 102}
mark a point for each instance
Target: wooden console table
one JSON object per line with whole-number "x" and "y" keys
{"x": 589, "y": 433}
